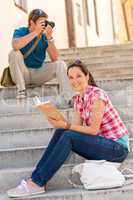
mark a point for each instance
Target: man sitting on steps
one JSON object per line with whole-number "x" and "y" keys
{"x": 27, "y": 59}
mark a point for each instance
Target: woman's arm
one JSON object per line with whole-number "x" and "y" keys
{"x": 96, "y": 120}
{"x": 77, "y": 119}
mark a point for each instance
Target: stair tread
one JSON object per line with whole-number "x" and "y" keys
{"x": 78, "y": 193}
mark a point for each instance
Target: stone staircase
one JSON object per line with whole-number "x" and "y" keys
{"x": 25, "y": 133}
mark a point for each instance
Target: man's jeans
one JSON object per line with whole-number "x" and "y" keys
{"x": 89, "y": 146}
{"x": 23, "y": 76}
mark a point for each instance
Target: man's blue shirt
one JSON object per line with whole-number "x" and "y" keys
{"x": 38, "y": 55}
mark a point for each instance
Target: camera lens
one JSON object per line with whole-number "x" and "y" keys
{"x": 46, "y": 23}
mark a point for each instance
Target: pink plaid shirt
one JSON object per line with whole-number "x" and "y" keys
{"x": 111, "y": 126}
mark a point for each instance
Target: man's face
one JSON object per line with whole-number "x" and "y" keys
{"x": 40, "y": 20}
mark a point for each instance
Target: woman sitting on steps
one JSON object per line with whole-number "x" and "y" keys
{"x": 97, "y": 133}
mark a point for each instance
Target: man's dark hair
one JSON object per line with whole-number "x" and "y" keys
{"x": 35, "y": 14}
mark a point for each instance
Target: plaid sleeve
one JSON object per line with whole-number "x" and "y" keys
{"x": 100, "y": 94}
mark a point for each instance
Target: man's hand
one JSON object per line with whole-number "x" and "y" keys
{"x": 40, "y": 26}
{"x": 48, "y": 32}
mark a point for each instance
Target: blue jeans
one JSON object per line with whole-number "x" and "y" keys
{"x": 91, "y": 147}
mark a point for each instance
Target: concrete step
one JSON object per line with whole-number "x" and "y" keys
{"x": 118, "y": 97}
{"x": 33, "y": 137}
{"x": 121, "y": 97}
{"x": 115, "y": 84}
{"x": 99, "y": 50}
{"x": 25, "y": 138}
{"x": 51, "y": 87}
{"x": 108, "y": 83}
{"x": 103, "y": 59}
{"x": 31, "y": 119}
{"x": 124, "y": 193}
{"x": 92, "y": 54}
{"x": 27, "y": 119}
{"x": 12, "y": 177}
{"x": 11, "y": 158}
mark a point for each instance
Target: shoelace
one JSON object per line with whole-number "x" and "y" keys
{"x": 23, "y": 186}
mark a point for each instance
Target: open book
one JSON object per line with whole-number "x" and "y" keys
{"x": 48, "y": 109}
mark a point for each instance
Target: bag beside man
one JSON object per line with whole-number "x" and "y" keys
{"x": 6, "y": 79}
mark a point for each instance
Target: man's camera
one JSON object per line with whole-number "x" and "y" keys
{"x": 52, "y": 24}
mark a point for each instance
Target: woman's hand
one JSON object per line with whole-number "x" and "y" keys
{"x": 57, "y": 123}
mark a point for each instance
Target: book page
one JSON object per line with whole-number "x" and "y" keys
{"x": 49, "y": 109}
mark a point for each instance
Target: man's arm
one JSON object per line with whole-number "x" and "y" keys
{"x": 18, "y": 43}
{"x": 52, "y": 50}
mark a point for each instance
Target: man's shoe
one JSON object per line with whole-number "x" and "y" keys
{"x": 23, "y": 190}
{"x": 21, "y": 94}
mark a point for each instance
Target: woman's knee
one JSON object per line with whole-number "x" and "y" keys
{"x": 59, "y": 131}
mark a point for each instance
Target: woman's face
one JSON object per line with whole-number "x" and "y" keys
{"x": 78, "y": 80}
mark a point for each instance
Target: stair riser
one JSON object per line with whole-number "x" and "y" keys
{"x": 109, "y": 85}
{"x": 10, "y": 93}
{"x": 101, "y": 50}
{"x": 25, "y": 138}
{"x": 37, "y": 120}
{"x": 118, "y": 97}
{"x": 32, "y": 138}
{"x": 12, "y": 178}
{"x": 39, "y": 91}
{"x": 28, "y": 158}
{"x": 111, "y": 59}
{"x": 83, "y": 195}
{"x": 11, "y": 158}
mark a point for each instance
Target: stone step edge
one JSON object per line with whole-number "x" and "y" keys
{"x": 55, "y": 82}
{"x": 34, "y": 112}
{"x": 22, "y": 148}
{"x": 75, "y": 191}
{"x": 36, "y": 129}
{"x": 40, "y": 128}
{"x": 28, "y": 169}
{"x": 65, "y": 193}
{"x": 115, "y": 46}
{"x": 43, "y": 147}
{"x": 67, "y": 110}
{"x": 72, "y": 192}
{"x": 33, "y": 147}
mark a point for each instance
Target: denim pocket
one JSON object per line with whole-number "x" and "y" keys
{"x": 119, "y": 153}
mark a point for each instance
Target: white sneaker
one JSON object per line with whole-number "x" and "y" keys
{"x": 23, "y": 190}
{"x": 21, "y": 94}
